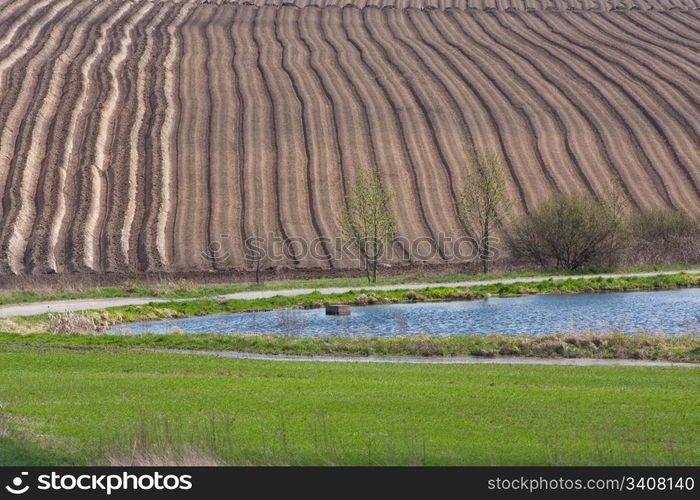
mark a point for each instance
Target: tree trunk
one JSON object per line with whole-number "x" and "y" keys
{"x": 485, "y": 251}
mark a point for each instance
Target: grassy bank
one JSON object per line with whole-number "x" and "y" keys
{"x": 202, "y": 307}
{"x": 190, "y": 289}
{"x": 685, "y": 348}
{"x": 136, "y": 407}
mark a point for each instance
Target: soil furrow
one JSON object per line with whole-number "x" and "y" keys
{"x": 12, "y": 82}
{"x": 484, "y": 130}
{"x": 99, "y": 178}
{"x": 516, "y": 134}
{"x": 39, "y": 257}
{"x": 240, "y": 144}
{"x": 224, "y": 166}
{"x": 555, "y": 139}
{"x": 68, "y": 161}
{"x": 148, "y": 105}
{"x": 324, "y": 136}
{"x": 567, "y": 76}
{"x": 650, "y": 32}
{"x": 115, "y": 233}
{"x": 80, "y": 241}
{"x": 319, "y": 162}
{"x": 650, "y": 119}
{"x": 431, "y": 171}
{"x": 371, "y": 108}
{"x": 158, "y": 227}
{"x": 29, "y": 82}
{"x": 537, "y": 149}
{"x": 291, "y": 155}
{"x": 265, "y": 62}
{"x": 612, "y": 98}
{"x": 679, "y": 106}
{"x": 578, "y": 139}
{"x": 33, "y": 138}
{"x": 192, "y": 211}
{"x": 587, "y": 143}
{"x": 258, "y": 148}
{"x": 409, "y": 122}
{"x": 675, "y": 75}
{"x": 159, "y": 136}
{"x": 16, "y": 25}
{"x": 680, "y": 25}
{"x": 438, "y": 105}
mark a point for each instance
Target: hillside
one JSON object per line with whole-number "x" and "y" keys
{"x": 154, "y": 136}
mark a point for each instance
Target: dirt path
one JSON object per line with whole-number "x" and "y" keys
{"x": 33, "y": 308}
{"x": 458, "y": 360}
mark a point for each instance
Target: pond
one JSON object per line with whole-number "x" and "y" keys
{"x": 670, "y": 312}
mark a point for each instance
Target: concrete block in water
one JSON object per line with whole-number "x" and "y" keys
{"x": 337, "y": 310}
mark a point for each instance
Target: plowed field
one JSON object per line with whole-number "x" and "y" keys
{"x": 159, "y": 136}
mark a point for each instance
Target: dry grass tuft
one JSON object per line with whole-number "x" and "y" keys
{"x": 9, "y": 325}
{"x": 592, "y": 345}
{"x": 371, "y": 299}
{"x": 72, "y": 322}
{"x": 188, "y": 457}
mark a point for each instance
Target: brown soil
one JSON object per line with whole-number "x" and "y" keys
{"x": 151, "y": 138}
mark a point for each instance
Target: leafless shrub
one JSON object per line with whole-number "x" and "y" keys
{"x": 663, "y": 234}
{"x": 664, "y": 225}
{"x": 569, "y": 232}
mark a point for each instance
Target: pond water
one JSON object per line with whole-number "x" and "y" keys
{"x": 671, "y": 312}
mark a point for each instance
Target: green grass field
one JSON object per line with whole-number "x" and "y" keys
{"x": 81, "y": 406}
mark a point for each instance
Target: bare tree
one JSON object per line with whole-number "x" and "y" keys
{"x": 368, "y": 223}
{"x": 617, "y": 209}
{"x": 256, "y": 253}
{"x": 481, "y": 205}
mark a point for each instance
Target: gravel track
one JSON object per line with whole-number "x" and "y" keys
{"x": 56, "y": 306}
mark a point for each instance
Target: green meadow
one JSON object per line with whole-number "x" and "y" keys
{"x": 84, "y": 406}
